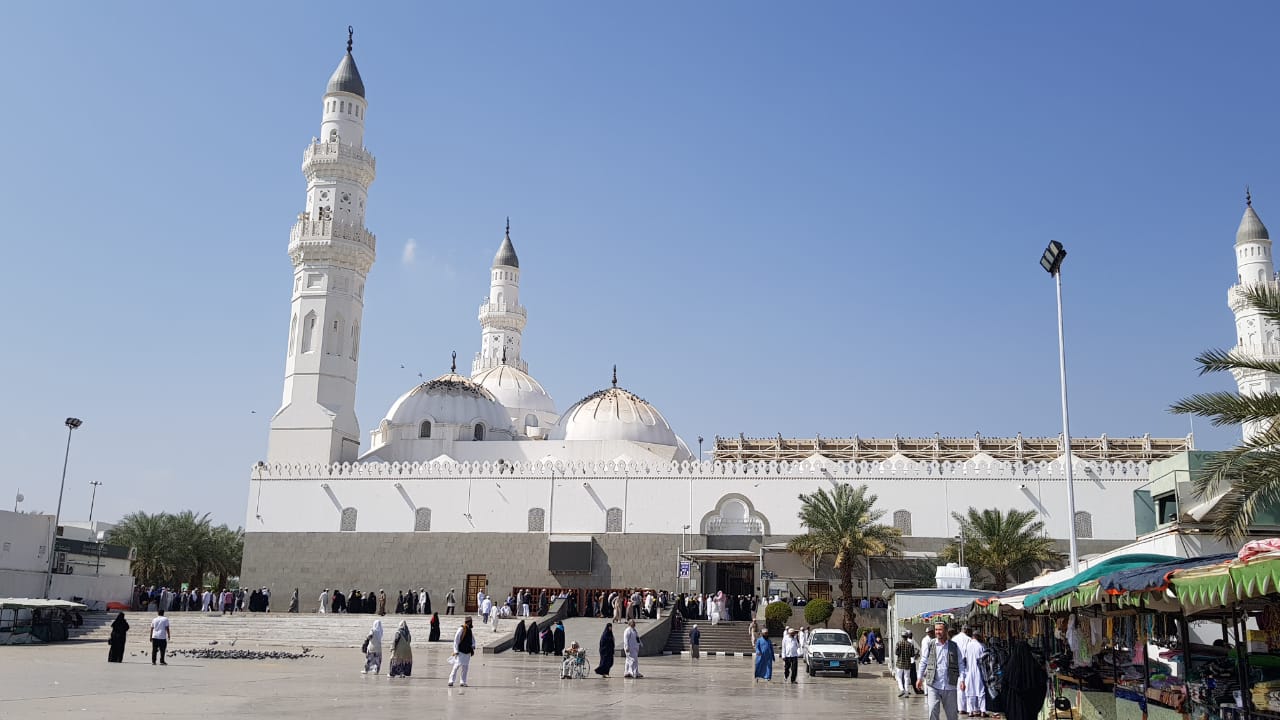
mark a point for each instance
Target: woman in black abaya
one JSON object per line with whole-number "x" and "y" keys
{"x": 518, "y": 643}
{"x": 434, "y": 634}
{"x": 557, "y": 639}
{"x": 532, "y": 645}
{"x": 119, "y": 630}
{"x": 606, "y": 651}
{"x": 548, "y": 639}
{"x": 1025, "y": 684}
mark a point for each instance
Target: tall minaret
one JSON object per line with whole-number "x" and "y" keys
{"x": 1255, "y": 335}
{"x": 502, "y": 318}
{"x": 331, "y": 252}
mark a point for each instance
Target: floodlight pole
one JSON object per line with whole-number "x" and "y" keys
{"x": 72, "y": 424}
{"x": 1051, "y": 261}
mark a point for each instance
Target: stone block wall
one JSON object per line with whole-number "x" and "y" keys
{"x": 440, "y": 561}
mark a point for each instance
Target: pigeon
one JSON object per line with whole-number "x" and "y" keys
{"x": 213, "y": 642}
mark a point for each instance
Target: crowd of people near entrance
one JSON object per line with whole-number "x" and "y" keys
{"x": 149, "y": 598}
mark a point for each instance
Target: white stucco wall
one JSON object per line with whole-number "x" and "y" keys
{"x": 663, "y": 498}
{"x": 24, "y": 541}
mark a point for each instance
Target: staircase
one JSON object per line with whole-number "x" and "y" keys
{"x": 192, "y": 629}
{"x": 725, "y": 638}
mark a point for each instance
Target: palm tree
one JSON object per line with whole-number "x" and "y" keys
{"x": 227, "y": 553}
{"x": 1247, "y": 475}
{"x": 149, "y": 536}
{"x": 1009, "y": 545}
{"x": 844, "y": 523}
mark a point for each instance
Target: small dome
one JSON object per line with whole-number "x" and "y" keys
{"x": 515, "y": 389}
{"x": 506, "y": 251}
{"x": 615, "y": 414}
{"x": 1251, "y": 227}
{"x": 450, "y": 399}
{"x": 346, "y": 78}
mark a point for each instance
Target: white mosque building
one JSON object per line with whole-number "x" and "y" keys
{"x": 480, "y": 479}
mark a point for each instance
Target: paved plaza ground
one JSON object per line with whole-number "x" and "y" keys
{"x": 74, "y": 680}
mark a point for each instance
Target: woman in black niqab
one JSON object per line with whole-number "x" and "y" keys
{"x": 1025, "y": 683}
{"x": 434, "y": 635}
{"x": 531, "y": 640}
{"x": 119, "y": 629}
{"x": 518, "y": 643}
{"x": 607, "y": 651}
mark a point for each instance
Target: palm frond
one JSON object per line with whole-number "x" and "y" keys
{"x": 1219, "y": 360}
{"x": 1228, "y": 408}
{"x": 1265, "y": 298}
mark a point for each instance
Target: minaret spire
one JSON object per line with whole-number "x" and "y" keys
{"x": 453, "y": 364}
{"x": 350, "y": 35}
{"x": 615, "y": 376}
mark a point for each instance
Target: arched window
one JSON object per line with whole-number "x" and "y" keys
{"x": 613, "y": 520}
{"x": 531, "y": 420}
{"x": 424, "y": 430}
{"x": 537, "y": 519}
{"x": 309, "y": 332}
{"x": 478, "y": 433}
{"x": 422, "y": 520}
{"x": 293, "y": 333}
{"x": 333, "y": 136}
{"x": 355, "y": 341}
{"x": 1084, "y": 524}
{"x": 348, "y": 520}
{"x": 902, "y": 521}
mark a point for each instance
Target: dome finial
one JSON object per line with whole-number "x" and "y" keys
{"x": 615, "y": 376}
{"x": 350, "y": 35}
{"x": 1248, "y": 197}
{"x": 453, "y": 366}
{"x": 508, "y": 227}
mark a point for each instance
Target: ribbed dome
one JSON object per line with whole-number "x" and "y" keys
{"x": 506, "y": 253}
{"x": 1251, "y": 227}
{"x": 346, "y": 78}
{"x": 615, "y": 414}
{"x": 515, "y": 389}
{"x": 450, "y": 399}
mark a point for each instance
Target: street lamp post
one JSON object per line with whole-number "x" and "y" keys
{"x": 97, "y": 569}
{"x": 92, "y": 498}
{"x": 72, "y": 424}
{"x": 960, "y": 539}
{"x": 1051, "y": 261}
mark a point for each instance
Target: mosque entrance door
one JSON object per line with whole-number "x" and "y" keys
{"x": 736, "y": 578}
{"x": 475, "y": 583}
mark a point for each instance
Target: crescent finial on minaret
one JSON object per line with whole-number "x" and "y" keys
{"x": 1248, "y": 197}
{"x": 508, "y": 227}
{"x": 351, "y": 32}
{"x": 615, "y": 376}
{"x": 453, "y": 366}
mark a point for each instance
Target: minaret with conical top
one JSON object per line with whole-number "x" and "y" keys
{"x": 1256, "y": 336}
{"x": 502, "y": 317}
{"x": 332, "y": 253}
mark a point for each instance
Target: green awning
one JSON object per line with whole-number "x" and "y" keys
{"x": 1105, "y": 567}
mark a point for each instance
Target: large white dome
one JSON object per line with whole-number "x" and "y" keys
{"x": 518, "y": 391}
{"x": 450, "y": 399}
{"x": 615, "y": 414}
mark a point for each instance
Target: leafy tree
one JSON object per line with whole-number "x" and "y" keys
{"x": 1247, "y": 475}
{"x": 818, "y": 612}
{"x": 776, "y": 615}
{"x": 844, "y": 523}
{"x": 1009, "y": 546}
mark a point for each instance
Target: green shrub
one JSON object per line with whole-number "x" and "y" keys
{"x": 818, "y": 612}
{"x": 776, "y": 617}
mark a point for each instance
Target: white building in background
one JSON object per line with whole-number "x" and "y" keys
{"x": 472, "y": 480}
{"x": 1256, "y": 336}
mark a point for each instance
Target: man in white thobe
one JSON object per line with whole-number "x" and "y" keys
{"x": 631, "y": 649}
{"x": 324, "y": 601}
{"x": 961, "y": 640}
{"x": 973, "y": 691}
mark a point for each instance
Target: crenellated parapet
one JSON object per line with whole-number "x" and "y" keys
{"x": 332, "y": 242}
{"x": 834, "y": 471}
{"x": 338, "y": 160}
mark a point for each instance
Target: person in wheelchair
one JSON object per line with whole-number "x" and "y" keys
{"x": 574, "y": 666}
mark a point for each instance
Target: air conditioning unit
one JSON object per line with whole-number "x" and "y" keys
{"x": 60, "y": 563}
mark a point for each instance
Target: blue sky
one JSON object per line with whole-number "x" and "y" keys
{"x": 796, "y": 218}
